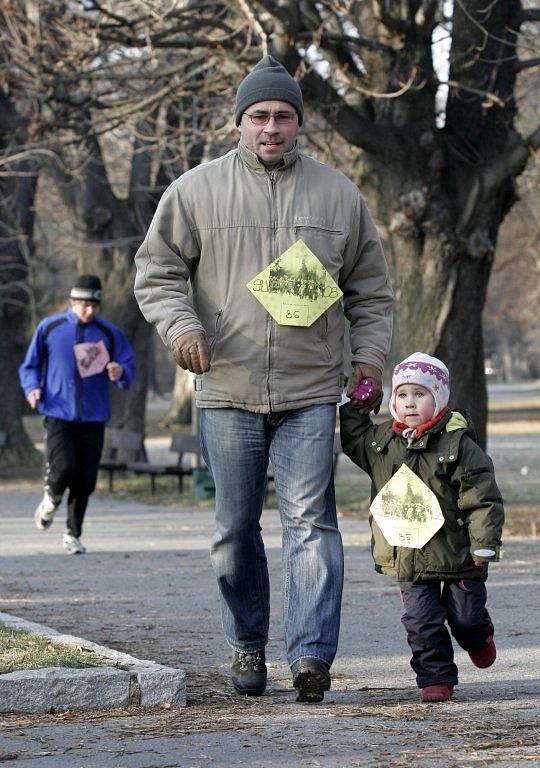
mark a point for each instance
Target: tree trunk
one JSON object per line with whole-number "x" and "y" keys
{"x": 16, "y": 220}
{"x": 181, "y": 400}
{"x": 442, "y": 192}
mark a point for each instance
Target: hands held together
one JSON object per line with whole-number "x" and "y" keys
{"x": 365, "y": 388}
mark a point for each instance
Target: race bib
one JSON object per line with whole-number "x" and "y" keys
{"x": 406, "y": 510}
{"x": 296, "y": 288}
{"x": 91, "y": 357}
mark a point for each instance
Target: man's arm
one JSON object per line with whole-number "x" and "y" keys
{"x": 368, "y": 302}
{"x": 121, "y": 370}
{"x": 165, "y": 263}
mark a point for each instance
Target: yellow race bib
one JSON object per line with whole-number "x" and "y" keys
{"x": 406, "y": 510}
{"x": 296, "y": 288}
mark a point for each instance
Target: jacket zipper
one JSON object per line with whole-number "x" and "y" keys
{"x": 272, "y": 181}
{"x": 79, "y": 331}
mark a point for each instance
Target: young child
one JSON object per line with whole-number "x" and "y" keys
{"x": 443, "y": 519}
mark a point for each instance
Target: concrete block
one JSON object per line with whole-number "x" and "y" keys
{"x": 161, "y": 686}
{"x": 59, "y": 688}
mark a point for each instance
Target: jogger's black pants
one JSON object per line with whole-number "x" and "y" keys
{"x": 73, "y": 451}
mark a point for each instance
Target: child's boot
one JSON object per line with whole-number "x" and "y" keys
{"x": 439, "y": 692}
{"x": 484, "y": 657}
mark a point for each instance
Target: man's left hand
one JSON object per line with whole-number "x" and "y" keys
{"x": 369, "y": 379}
{"x": 114, "y": 371}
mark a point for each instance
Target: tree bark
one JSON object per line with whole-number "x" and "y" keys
{"x": 16, "y": 222}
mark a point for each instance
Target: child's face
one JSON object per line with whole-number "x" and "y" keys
{"x": 414, "y": 404}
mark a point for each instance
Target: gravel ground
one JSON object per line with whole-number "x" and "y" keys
{"x": 146, "y": 588}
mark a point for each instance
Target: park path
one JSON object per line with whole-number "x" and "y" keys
{"x": 146, "y": 587}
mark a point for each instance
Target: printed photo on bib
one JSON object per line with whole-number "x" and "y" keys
{"x": 91, "y": 357}
{"x": 296, "y": 288}
{"x": 406, "y": 510}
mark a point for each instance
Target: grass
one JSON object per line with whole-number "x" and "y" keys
{"x": 23, "y": 650}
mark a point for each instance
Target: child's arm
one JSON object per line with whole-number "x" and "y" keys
{"x": 356, "y": 428}
{"x": 480, "y": 500}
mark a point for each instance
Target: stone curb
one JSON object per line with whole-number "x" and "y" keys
{"x": 127, "y": 682}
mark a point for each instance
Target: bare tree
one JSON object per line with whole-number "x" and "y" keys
{"x": 439, "y": 172}
{"x": 437, "y": 155}
{"x": 93, "y": 73}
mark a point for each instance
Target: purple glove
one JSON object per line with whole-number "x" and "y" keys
{"x": 365, "y": 388}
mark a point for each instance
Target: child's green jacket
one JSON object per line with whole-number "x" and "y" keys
{"x": 460, "y": 474}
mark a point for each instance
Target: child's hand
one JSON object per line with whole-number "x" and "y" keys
{"x": 482, "y": 567}
{"x": 365, "y": 389}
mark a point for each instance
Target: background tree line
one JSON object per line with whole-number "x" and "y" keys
{"x": 103, "y": 104}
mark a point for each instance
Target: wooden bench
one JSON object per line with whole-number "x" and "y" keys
{"x": 121, "y": 446}
{"x": 181, "y": 444}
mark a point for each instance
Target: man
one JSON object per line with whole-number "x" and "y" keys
{"x": 65, "y": 376}
{"x": 242, "y": 271}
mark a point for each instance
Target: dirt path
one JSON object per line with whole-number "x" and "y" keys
{"x": 146, "y": 587}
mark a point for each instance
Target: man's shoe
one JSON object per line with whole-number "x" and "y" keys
{"x": 435, "y": 693}
{"x": 44, "y": 514}
{"x": 72, "y": 544}
{"x": 484, "y": 657}
{"x": 249, "y": 672}
{"x": 311, "y": 678}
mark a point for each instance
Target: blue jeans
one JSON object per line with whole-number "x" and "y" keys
{"x": 236, "y": 445}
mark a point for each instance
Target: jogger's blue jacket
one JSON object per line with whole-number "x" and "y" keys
{"x": 51, "y": 366}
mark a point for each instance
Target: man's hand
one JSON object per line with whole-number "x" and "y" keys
{"x": 365, "y": 388}
{"x": 33, "y": 398}
{"x": 114, "y": 371}
{"x": 190, "y": 352}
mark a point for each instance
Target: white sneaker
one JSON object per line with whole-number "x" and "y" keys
{"x": 44, "y": 514}
{"x": 72, "y": 544}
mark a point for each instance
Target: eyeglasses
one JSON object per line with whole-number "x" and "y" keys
{"x": 263, "y": 118}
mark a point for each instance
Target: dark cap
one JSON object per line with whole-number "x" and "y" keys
{"x": 268, "y": 81}
{"x": 86, "y": 288}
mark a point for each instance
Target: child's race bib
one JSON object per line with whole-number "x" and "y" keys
{"x": 406, "y": 510}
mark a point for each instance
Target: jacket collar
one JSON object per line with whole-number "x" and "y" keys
{"x": 252, "y": 161}
{"x": 447, "y": 446}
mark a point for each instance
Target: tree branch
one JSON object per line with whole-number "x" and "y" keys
{"x": 348, "y": 122}
{"x": 519, "y": 66}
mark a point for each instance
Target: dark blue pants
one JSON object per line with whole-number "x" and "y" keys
{"x": 427, "y": 606}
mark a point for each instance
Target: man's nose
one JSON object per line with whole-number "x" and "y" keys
{"x": 271, "y": 125}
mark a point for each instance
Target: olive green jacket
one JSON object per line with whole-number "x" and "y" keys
{"x": 460, "y": 474}
{"x": 216, "y": 228}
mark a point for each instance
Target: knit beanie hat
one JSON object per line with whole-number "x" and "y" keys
{"x": 86, "y": 288}
{"x": 268, "y": 81}
{"x": 428, "y": 372}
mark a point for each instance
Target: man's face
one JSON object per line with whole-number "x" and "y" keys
{"x": 85, "y": 310}
{"x": 272, "y": 139}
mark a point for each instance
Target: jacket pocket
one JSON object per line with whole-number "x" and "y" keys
{"x": 327, "y": 244}
{"x": 217, "y": 330}
{"x": 383, "y": 552}
{"x": 323, "y": 332}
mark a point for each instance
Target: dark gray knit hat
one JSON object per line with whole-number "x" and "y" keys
{"x": 268, "y": 81}
{"x": 86, "y": 288}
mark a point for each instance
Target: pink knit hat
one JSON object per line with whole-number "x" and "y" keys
{"x": 428, "y": 372}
